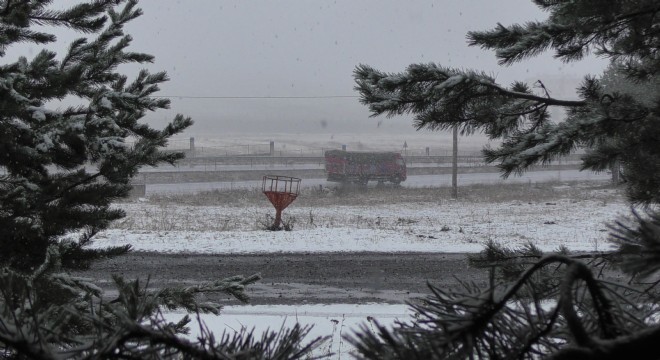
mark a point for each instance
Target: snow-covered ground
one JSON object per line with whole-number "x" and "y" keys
{"x": 576, "y": 218}
{"x": 436, "y": 225}
{"x": 334, "y": 321}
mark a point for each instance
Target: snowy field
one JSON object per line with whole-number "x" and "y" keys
{"x": 577, "y": 222}
{"x": 549, "y": 215}
{"x": 333, "y": 321}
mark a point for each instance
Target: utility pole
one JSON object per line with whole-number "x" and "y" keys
{"x": 454, "y": 166}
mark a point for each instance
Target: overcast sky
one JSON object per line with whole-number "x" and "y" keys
{"x": 310, "y": 48}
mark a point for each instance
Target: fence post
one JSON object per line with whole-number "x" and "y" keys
{"x": 272, "y": 148}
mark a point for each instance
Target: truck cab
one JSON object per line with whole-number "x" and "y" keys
{"x": 361, "y": 167}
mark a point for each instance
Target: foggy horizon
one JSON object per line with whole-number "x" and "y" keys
{"x": 286, "y": 49}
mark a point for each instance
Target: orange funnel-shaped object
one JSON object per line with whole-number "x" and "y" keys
{"x": 281, "y": 191}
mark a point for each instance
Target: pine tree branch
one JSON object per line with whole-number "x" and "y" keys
{"x": 513, "y": 289}
{"x": 22, "y": 347}
{"x": 547, "y": 329}
{"x": 649, "y": 11}
{"x": 136, "y": 333}
{"x": 578, "y": 271}
{"x": 5, "y": 11}
{"x": 641, "y": 345}
{"x": 76, "y": 17}
{"x": 526, "y": 112}
{"x": 570, "y": 38}
{"x": 593, "y": 315}
{"x": 484, "y": 263}
{"x": 66, "y": 190}
{"x": 538, "y": 99}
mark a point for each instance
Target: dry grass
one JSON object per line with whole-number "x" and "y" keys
{"x": 548, "y": 214}
{"x": 378, "y": 195}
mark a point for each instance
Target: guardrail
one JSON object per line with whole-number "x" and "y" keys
{"x": 215, "y": 161}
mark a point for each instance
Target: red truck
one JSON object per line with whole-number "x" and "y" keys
{"x": 361, "y": 167}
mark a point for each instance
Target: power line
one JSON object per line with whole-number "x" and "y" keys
{"x": 256, "y": 97}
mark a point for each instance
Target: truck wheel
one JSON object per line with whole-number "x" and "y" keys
{"x": 396, "y": 180}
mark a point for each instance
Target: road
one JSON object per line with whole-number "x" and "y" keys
{"x": 412, "y": 181}
{"x": 348, "y": 278}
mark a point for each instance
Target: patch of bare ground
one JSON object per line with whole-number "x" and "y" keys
{"x": 300, "y": 278}
{"x": 335, "y": 277}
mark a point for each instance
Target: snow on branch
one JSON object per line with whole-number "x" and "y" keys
{"x": 573, "y": 29}
{"x": 441, "y": 98}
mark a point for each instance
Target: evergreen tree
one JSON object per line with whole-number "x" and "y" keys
{"x": 614, "y": 80}
{"x": 559, "y": 306}
{"x": 643, "y": 169}
{"x": 62, "y": 167}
